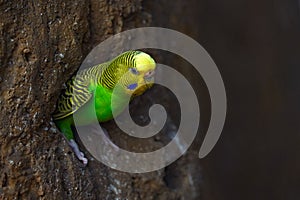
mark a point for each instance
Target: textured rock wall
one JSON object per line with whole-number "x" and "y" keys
{"x": 42, "y": 44}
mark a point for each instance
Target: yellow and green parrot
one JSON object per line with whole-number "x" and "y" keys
{"x": 92, "y": 88}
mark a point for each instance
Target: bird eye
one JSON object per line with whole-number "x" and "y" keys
{"x": 134, "y": 71}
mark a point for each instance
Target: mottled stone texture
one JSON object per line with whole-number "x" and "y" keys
{"x": 42, "y": 45}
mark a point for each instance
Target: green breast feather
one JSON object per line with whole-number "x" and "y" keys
{"x": 92, "y": 88}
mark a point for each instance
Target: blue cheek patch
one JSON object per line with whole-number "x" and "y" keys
{"x": 134, "y": 71}
{"x": 132, "y": 86}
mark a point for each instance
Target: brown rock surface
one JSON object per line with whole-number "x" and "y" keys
{"x": 42, "y": 45}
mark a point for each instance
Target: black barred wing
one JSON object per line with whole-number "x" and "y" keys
{"x": 78, "y": 92}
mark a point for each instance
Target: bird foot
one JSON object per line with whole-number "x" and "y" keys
{"x": 77, "y": 152}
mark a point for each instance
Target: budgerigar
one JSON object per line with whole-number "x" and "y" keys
{"x": 92, "y": 88}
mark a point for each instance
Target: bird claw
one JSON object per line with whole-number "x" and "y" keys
{"x": 78, "y": 153}
{"x": 83, "y": 159}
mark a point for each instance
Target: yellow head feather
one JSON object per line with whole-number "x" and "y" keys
{"x": 144, "y": 62}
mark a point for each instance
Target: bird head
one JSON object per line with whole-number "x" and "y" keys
{"x": 136, "y": 72}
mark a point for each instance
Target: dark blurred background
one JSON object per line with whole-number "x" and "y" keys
{"x": 256, "y": 47}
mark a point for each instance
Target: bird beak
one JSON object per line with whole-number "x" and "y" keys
{"x": 149, "y": 79}
{"x": 149, "y": 76}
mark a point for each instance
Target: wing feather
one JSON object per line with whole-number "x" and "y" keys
{"x": 78, "y": 91}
